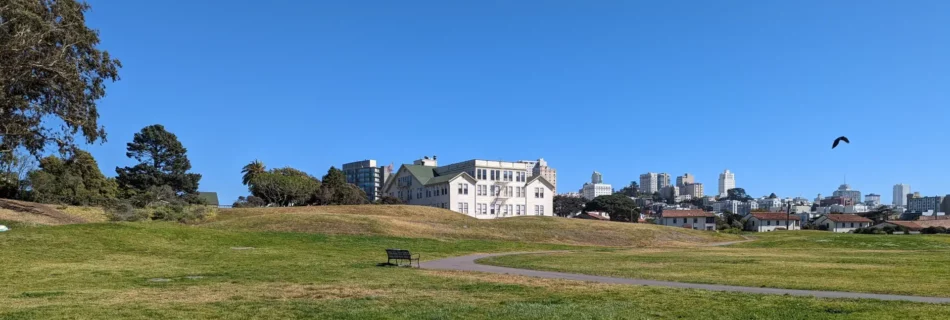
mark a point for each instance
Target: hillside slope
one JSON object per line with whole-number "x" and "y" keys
{"x": 426, "y": 222}
{"x": 43, "y": 214}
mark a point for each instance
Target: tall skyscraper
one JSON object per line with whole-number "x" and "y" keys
{"x": 727, "y": 180}
{"x": 662, "y": 180}
{"x": 900, "y": 194}
{"x": 596, "y": 177}
{"x": 685, "y": 179}
{"x": 649, "y": 183}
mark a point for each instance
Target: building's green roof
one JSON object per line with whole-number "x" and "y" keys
{"x": 211, "y": 198}
{"x": 422, "y": 173}
{"x": 443, "y": 179}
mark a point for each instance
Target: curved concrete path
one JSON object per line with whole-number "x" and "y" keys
{"x": 467, "y": 263}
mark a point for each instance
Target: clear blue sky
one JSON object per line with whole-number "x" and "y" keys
{"x": 622, "y": 87}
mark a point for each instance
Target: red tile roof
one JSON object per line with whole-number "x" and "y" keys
{"x": 685, "y": 214}
{"x": 912, "y": 225}
{"x": 847, "y": 218}
{"x": 774, "y": 216}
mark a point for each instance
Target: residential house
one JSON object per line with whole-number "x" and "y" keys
{"x": 693, "y": 219}
{"x": 771, "y": 221}
{"x": 843, "y": 222}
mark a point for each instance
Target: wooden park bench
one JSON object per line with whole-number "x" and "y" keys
{"x": 399, "y": 255}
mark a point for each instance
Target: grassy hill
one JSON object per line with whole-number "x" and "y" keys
{"x": 434, "y": 223}
{"x": 815, "y": 260}
{"x": 237, "y": 268}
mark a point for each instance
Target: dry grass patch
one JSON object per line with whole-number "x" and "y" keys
{"x": 433, "y": 223}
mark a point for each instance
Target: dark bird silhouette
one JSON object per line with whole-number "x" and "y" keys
{"x": 841, "y": 138}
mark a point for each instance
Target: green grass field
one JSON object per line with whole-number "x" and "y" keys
{"x": 896, "y": 264}
{"x": 103, "y": 271}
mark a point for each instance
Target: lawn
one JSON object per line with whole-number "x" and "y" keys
{"x": 109, "y": 271}
{"x": 896, "y": 264}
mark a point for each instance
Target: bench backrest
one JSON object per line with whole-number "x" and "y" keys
{"x": 398, "y": 254}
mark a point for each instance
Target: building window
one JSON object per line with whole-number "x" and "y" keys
{"x": 493, "y": 207}
{"x": 769, "y": 222}
{"x": 674, "y": 220}
{"x": 537, "y": 209}
{"x": 542, "y": 209}
{"x": 695, "y": 220}
{"x": 852, "y": 224}
{"x": 518, "y": 209}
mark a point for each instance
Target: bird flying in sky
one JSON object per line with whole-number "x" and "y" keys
{"x": 841, "y": 138}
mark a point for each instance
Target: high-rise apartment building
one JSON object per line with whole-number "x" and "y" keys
{"x": 596, "y": 187}
{"x": 845, "y": 191}
{"x": 649, "y": 183}
{"x": 727, "y": 180}
{"x": 367, "y": 176}
{"x": 693, "y": 189}
{"x": 479, "y": 188}
{"x": 918, "y": 204}
{"x": 662, "y": 180}
{"x": 685, "y": 179}
{"x": 541, "y": 168}
{"x": 872, "y": 200}
{"x": 900, "y": 194}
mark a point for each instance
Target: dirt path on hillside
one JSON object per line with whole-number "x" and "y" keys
{"x": 28, "y": 212}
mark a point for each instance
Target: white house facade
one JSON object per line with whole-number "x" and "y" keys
{"x": 478, "y": 188}
{"x": 843, "y": 222}
{"x": 771, "y": 221}
{"x": 693, "y": 219}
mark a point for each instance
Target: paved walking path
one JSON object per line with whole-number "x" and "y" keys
{"x": 467, "y": 263}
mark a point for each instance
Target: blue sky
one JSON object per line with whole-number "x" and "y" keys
{"x": 622, "y": 87}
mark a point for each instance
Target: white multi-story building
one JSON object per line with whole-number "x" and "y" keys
{"x": 479, "y": 188}
{"x": 772, "y": 205}
{"x": 735, "y": 206}
{"x": 727, "y": 180}
{"x": 872, "y": 200}
{"x": 685, "y": 179}
{"x": 596, "y": 187}
{"x": 649, "y": 183}
{"x": 900, "y": 194}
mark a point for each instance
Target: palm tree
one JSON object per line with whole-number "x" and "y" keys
{"x": 251, "y": 170}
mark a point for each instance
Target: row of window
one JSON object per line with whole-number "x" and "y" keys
{"x": 493, "y": 209}
{"x": 778, "y": 223}
{"x": 500, "y": 175}
{"x": 695, "y": 220}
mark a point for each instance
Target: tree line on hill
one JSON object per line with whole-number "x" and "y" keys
{"x": 285, "y": 187}
{"x": 159, "y": 186}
